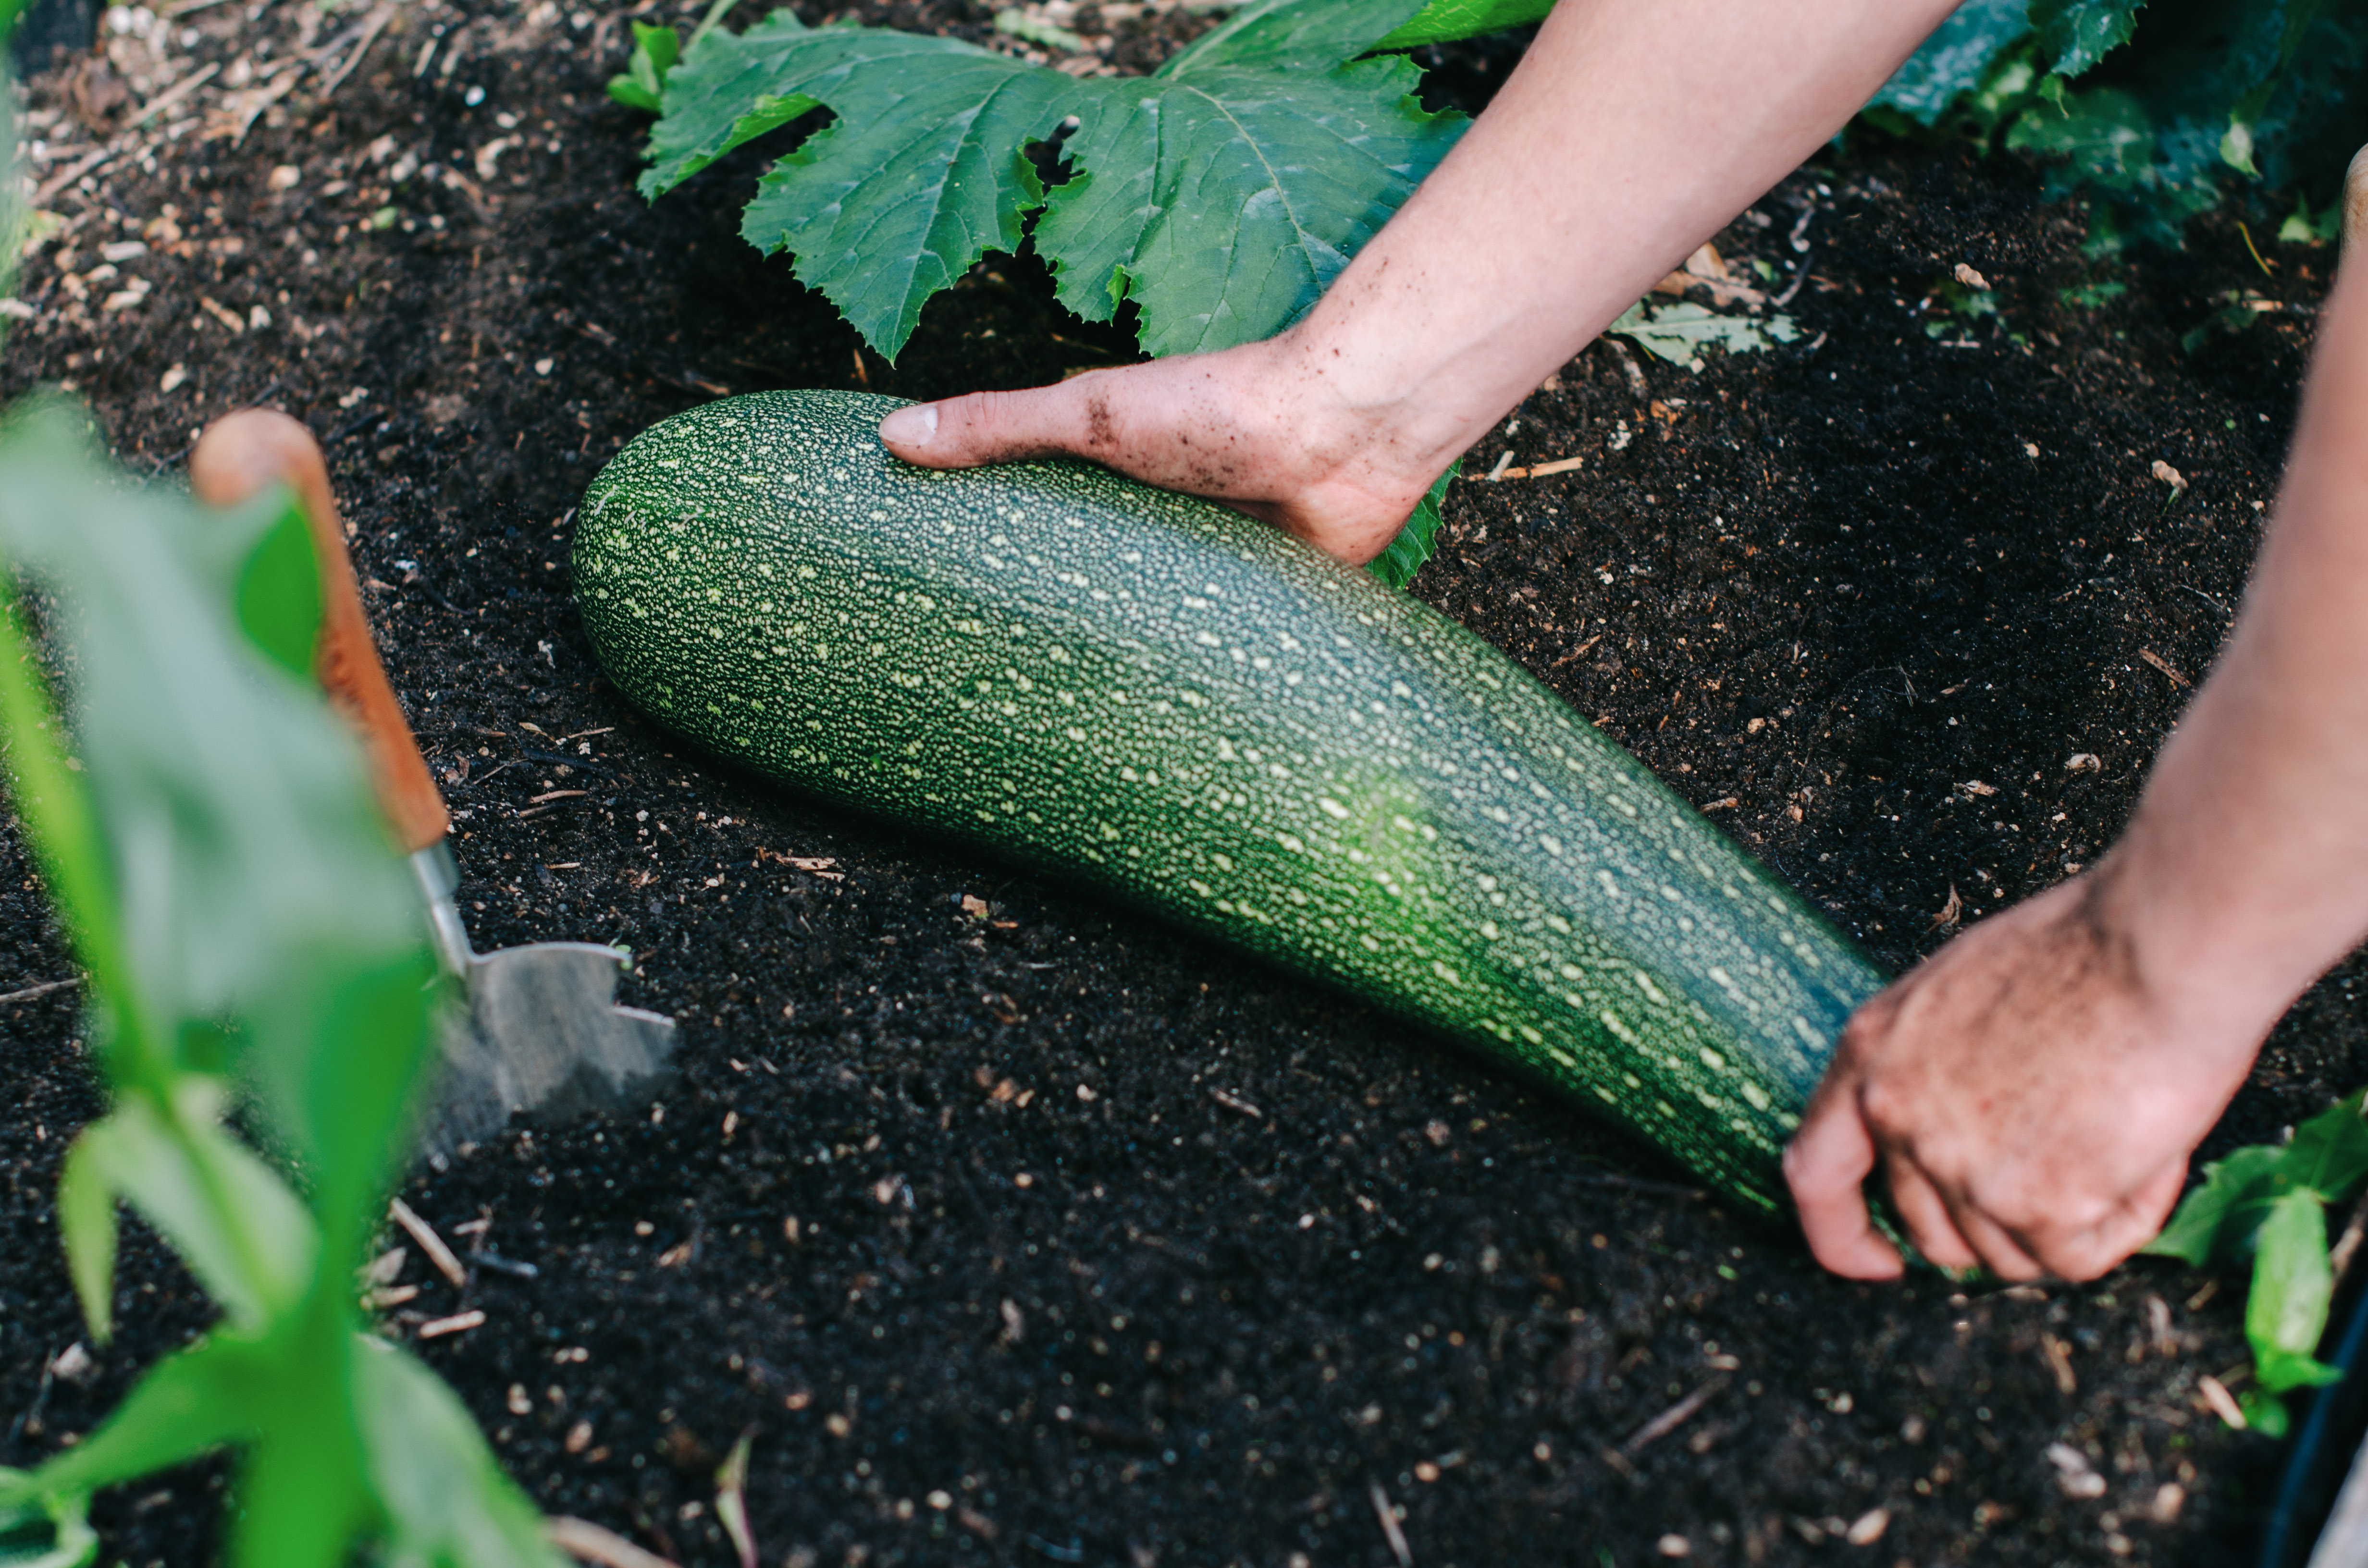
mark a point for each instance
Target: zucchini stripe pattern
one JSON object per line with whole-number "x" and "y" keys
{"x": 1222, "y": 724}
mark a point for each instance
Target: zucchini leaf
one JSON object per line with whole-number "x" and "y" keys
{"x": 1396, "y": 566}
{"x": 1961, "y": 55}
{"x": 2078, "y": 33}
{"x": 1220, "y": 194}
{"x": 1225, "y": 199}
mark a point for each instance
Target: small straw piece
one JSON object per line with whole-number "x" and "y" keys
{"x": 459, "y": 1323}
{"x": 429, "y": 1241}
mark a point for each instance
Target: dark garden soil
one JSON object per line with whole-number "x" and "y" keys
{"x": 966, "y": 1217}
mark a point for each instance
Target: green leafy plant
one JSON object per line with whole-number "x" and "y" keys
{"x": 2175, "y": 104}
{"x": 2272, "y": 1201}
{"x": 1217, "y": 195}
{"x": 249, "y": 933}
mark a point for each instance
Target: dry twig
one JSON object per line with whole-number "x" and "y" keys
{"x": 431, "y": 1244}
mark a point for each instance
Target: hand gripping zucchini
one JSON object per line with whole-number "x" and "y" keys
{"x": 1218, "y": 723}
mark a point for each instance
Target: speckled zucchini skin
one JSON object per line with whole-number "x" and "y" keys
{"x": 1219, "y": 723}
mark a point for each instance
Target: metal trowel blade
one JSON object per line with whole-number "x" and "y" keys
{"x": 536, "y": 1029}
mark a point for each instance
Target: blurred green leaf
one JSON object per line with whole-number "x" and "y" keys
{"x": 279, "y": 594}
{"x": 230, "y": 1220}
{"x": 2219, "y": 1218}
{"x": 642, "y": 85}
{"x": 447, "y": 1501}
{"x": 86, "y": 1225}
{"x": 1445, "y": 21}
{"x": 249, "y": 874}
{"x": 188, "y": 1404}
{"x": 1016, "y": 23}
{"x": 2265, "y": 1414}
{"x": 2293, "y": 1285}
{"x": 36, "y": 1531}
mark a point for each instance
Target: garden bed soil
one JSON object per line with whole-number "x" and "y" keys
{"x": 1013, "y": 1226}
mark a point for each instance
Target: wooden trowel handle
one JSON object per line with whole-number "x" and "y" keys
{"x": 244, "y": 453}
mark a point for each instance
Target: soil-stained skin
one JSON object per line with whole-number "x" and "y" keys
{"x": 1017, "y": 1227}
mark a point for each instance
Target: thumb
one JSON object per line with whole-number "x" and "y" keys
{"x": 991, "y": 427}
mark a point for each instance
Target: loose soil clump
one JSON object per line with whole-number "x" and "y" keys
{"x": 1015, "y": 1227}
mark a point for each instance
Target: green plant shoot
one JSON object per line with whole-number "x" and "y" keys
{"x": 2272, "y": 1201}
{"x": 208, "y": 835}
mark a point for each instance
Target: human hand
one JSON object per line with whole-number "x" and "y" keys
{"x": 1251, "y": 427}
{"x": 2031, "y": 1099}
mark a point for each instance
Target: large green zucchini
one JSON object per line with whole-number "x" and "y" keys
{"x": 1195, "y": 711}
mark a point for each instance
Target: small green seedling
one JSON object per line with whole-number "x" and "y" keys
{"x": 2271, "y": 1202}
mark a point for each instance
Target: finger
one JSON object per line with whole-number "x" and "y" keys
{"x": 1825, "y": 1165}
{"x": 1000, "y": 426}
{"x": 1926, "y": 1216}
{"x": 2094, "y": 1250}
{"x": 1999, "y": 1250}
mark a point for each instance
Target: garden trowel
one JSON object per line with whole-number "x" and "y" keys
{"x": 526, "y": 1029}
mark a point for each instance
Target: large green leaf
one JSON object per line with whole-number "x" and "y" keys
{"x": 1223, "y": 201}
{"x": 1220, "y": 194}
{"x": 1291, "y": 35}
{"x": 883, "y": 211}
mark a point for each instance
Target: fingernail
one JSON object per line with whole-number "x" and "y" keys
{"x": 910, "y": 426}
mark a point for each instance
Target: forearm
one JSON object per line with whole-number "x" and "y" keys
{"x": 2244, "y": 874}
{"x": 1632, "y": 131}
